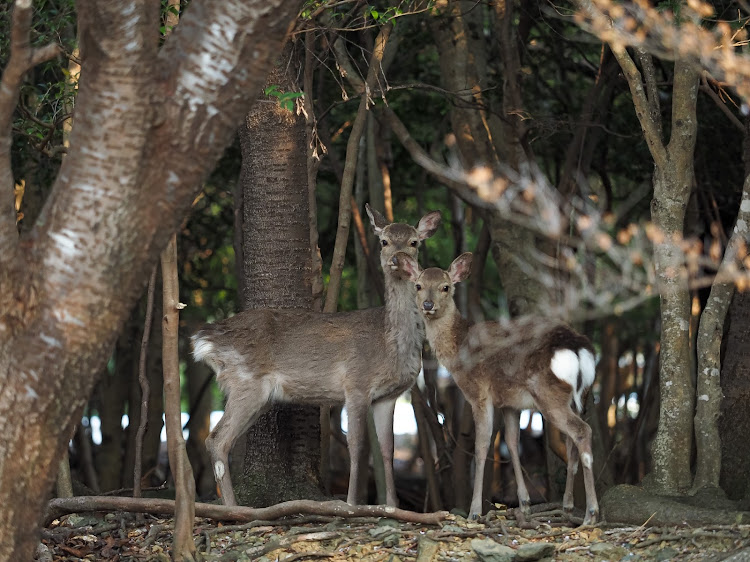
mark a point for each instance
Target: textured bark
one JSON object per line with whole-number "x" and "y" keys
{"x": 282, "y": 450}
{"x": 144, "y": 117}
{"x": 734, "y": 422}
{"x": 672, "y": 180}
{"x": 710, "y": 336}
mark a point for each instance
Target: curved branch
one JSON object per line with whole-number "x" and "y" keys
{"x": 61, "y": 506}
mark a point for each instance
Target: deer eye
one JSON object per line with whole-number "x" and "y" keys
{"x": 414, "y": 243}
{"x": 446, "y": 288}
{"x": 384, "y": 242}
{"x": 419, "y": 287}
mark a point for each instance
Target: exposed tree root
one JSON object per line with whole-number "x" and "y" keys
{"x": 61, "y": 506}
{"x": 633, "y": 505}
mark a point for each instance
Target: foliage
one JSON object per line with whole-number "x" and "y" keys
{"x": 285, "y": 99}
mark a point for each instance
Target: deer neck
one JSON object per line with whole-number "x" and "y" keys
{"x": 446, "y": 335}
{"x": 403, "y": 323}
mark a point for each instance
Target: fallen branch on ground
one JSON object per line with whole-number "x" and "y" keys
{"x": 58, "y": 507}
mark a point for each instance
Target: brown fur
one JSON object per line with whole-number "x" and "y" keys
{"x": 354, "y": 358}
{"x": 511, "y": 366}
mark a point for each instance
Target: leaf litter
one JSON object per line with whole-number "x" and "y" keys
{"x": 503, "y": 535}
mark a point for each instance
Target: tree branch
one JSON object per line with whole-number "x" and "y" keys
{"x": 61, "y": 506}
{"x": 456, "y": 180}
{"x": 350, "y": 165}
{"x": 651, "y": 128}
{"x": 22, "y": 58}
{"x": 707, "y": 89}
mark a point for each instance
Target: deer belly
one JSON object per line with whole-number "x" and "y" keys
{"x": 518, "y": 400}
{"x": 393, "y": 388}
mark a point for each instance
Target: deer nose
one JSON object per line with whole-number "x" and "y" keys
{"x": 428, "y": 305}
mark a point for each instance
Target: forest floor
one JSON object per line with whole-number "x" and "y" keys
{"x": 496, "y": 537}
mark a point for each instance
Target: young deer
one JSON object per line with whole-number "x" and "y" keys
{"x": 539, "y": 364}
{"x": 359, "y": 358}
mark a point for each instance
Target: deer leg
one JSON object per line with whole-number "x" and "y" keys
{"x": 512, "y": 433}
{"x": 382, "y": 413}
{"x": 356, "y": 411}
{"x": 483, "y": 415}
{"x": 241, "y": 411}
{"x": 569, "y": 495}
{"x": 579, "y": 432}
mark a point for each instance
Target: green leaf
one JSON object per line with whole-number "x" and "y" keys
{"x": 272, "y": 90}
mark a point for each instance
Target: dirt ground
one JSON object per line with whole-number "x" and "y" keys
{"x": 495, "y": 538}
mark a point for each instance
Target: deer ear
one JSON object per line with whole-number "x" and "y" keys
{"x": 460, "y": 268}
{"x": 378, "y": 221}
{"x": 408, "y": 265}
{"x": 429, "y": 224}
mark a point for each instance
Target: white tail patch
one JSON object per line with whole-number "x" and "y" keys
{"x": 201, "y": 348}
{"x": 566, "y": 365}
{"x": 588, "y": 367}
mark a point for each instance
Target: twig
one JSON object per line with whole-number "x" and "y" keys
{"x": 145, "y": 389}
{"x": 58, "y": 507}
{"x": 301, "y": 555}
{"x": 153, "y": 534}
{"x": 352, "y": 147}
{"x": 120, "y": 491}
{"x": 283, "y": 542}
{"x": 262, "y": 523}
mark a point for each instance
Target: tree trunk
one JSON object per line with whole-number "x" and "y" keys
{"x": 66, "y": 290}
{"x": 282, "y": 450}
{"x": 112, "y": 392}
{"x": 183, "y": 547}
{"x": 734, "y": 422}
{"x": 198, "y": 377}
{"x": 709, "y": 344}
{"x": 673, "y": 181}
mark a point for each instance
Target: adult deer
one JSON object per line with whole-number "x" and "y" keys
{"x": 359, "y": 358}
{"x": 537, "y": 363}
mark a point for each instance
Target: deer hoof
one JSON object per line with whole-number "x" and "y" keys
{"x": 592, "y": 517}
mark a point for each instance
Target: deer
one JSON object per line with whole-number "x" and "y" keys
{"x": 535, "y": 363}
{"x": 359, "y": 358}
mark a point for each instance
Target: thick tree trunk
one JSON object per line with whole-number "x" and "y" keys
{"x": 673, "y": 181}
{"x": 144, "y": 117}
{"x": 709, "y": 344}
{"x": 281, "y": 455}
{"x": 734, "y": 422}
